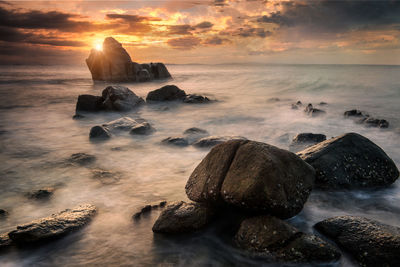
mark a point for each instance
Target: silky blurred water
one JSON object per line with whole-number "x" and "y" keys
{"x": 38, "y": 134}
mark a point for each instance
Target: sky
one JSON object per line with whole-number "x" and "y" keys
{"x": 204, "y": 31}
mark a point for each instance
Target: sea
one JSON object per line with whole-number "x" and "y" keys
{"x": 38, "y": 135}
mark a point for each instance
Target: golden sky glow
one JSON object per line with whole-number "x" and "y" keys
{"x": 215, "y": 31}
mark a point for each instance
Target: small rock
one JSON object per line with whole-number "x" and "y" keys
{"x": 371, "y": 242}
{"x": 196, "y": 99}
{"x": 55, "y": 226}
{"x": 313, "y": 112}
{"x": 355, "y": 113}
{"x": 195, "y": 130}
{"x": 106, "y": 177}
{"x": 372, "y": 122}
{"x": 42, "y": 194}
{"x": 143, "y": 128}
{"x": 323, "y": 103}
{"x": 181, "y": 217}
{"x": 82, "y": 159}
{"x": 99, "y": 132}
{"x": 304, "y": 140}
{"x": 176, "y": 141}
{"x": 3, "y": 214}
{"x": 271, "y": 237}
{"x": 166, "y": 93}
{"x": 148, "y": 208}
{"x": 211, "y": 141}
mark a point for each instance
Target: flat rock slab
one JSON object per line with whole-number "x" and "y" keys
{"x": 279, "y": 241}
{"x": 371, "y": 242}
{"x": 253, "y": 176}
{"x": 54, "y": 226}
{"x": 350, "y": 161}
{"x": 182, "y": 217}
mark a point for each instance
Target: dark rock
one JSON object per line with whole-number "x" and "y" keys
{"x": 148, "y": 208}
{"x": 252, "y": 176}
{"x": 294, "y": 106}
{"x": 372, "y": 243}
{"x": 159, "y": 71}
{"x": 299, "y": 103}
{"x": 313, "y": 112}
{"x": 350, "y": 161}
{"x": 275, "y": 239}
{"x": 78, "y": 117}
{"x": 142, "y": 129}
{"x": 309, "y": 138}
{"x": 364, "y": 118}
{"x": 89, "y": 103}
{"x": 176, "y": 141}
{"x": 122, "y": 124}
{"x": 195, "y": 130}
{"x": 99, "y": 132}
{"x": 355, "y": 113}
{"x": 372, "y": 122}
{"x": 143, "y": 75}
{"x": 41, "y": 194}
{"x": 5, "y": 241}
{"x": 54, "y": 226}
{"x": 82, "y": 159}
{"x": 3, "y": 214}
{"x": 196, "y": 99}
{"x": 106, "y": 177}
{"x": 120, "y": 98}
{"x": 211, "y": 141}
{"x": 323, "y": 103}
{"x": 166, "y": 93}
{"x": 181, "y": 217}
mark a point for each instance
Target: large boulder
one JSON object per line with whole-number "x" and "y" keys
{"x": 253, "y": 176}
{"x": 181, "y": 217}
{"x": 350, "y": 161}
{"x": 279, "y": 241}
{"x": 54, "y": 226}
{"x": 113, "y": 64}
{"x": 372, "y": 243}
{"x": 166, "y": 93}
{"x": 120, "y": 98}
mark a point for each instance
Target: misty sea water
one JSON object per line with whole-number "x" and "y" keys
{"x": 38, "y": 135}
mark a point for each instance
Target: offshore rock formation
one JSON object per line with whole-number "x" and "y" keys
{"x": 113, "y": 64}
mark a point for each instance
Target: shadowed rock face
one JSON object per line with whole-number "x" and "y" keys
{"x": 253, "y": 176}
{"x": 181, "y": 217}
{"x": 350, "y": 161}
{"x": 275, "y": 239}
{"x": 372, "y": 243}
{"x": 113, "y": 64}
{"x": 54, "y": 226}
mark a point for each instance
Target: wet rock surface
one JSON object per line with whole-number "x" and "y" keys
{"x": 350, "y": 161}
{"x": 372, "y": 243}
{"x": 148, "y": 208}
{"x": 196, "y": 99}
{"x": 166, "y": 93}
{"x": 279, "y": 241}
{"x": 114, "y": 64}
{"x": 252, "y": 176}
{"x": 133, "y": 126}
{"x": 113, "y": 98}
{"x": 182, "y": 217}
{"x": 81, "y": 159}
{"x": 53, "y": 226}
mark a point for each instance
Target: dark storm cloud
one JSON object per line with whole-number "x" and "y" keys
{"x": 248, "y": 32}
{"x": 184, "y": 29}
{"x": 131, "y": 18}
{"x": 336, "y": 16}
{"x": 52, "y": 20}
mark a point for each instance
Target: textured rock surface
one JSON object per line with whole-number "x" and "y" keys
{"x": 350, "y": 161}
{"x": 304, "y": 140}
{"x": 253, "y": 176}
{"x": 181, "y": 217}
{"x": 211, "y": 141}
{"x": 133, "y": 126}
{"x": 166, "y": 93}
{"x": 114, "y": 64}
{"x": 99, "y": 132}
{"x": 82, "y": 159}
{"x": 54, "y": 226}
{"x": 275, "y": 239}
{"x": 372, "y": 243}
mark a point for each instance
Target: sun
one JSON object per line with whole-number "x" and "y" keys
{"x": 98, "y": 47}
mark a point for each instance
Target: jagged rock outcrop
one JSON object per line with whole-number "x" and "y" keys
{"x": 113, "y": 64}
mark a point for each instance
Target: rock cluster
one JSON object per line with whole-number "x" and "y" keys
{"x": 113, "y": 64}
{"x": 313, "y": 112}
{"x": 45, "y": 229}
{"x": 364, "y": 118}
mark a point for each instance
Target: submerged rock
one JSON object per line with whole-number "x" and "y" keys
{"x": 182, "y": 217}
{"x": 41, "y": 194}
{"x": 304, "y": 140}
{"x": 113, "y": 64}
{"x": 82, "y": 159}
{"x": 196, "y": 99}
{"x": 3, "y": 213}
{"x": 313, "y": 112}
{"x": 372, "y": 243}
{"x": 54, "y": 226}
{"x": 350, "y": 161}
{"x": 166, "y": 93}
{"x": 253, "y": 176}
{"x": 176, "y": 141}
{"x": 211, "y": 141}
{"x": 148, "y": 208}
{"x": 364, "y": 118}
{"x": 133, "y": 126}
{"x": 275, "y": 239}
{"x": 99, "y": 132}
{"x": 113, "y": 98}
{"x": 195, "y": 130}
{"x": 106, "y": 177}
{"x": 143, "y": 128}
{"x": 355, "y": 113}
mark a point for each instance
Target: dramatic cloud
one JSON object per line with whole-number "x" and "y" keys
{"x": 184, "y": 43}
{"x": 215, "y": 40}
